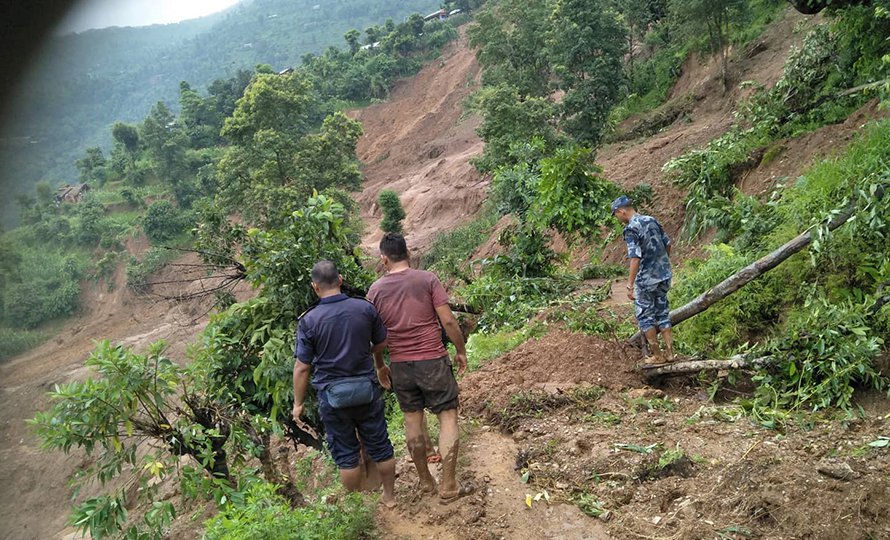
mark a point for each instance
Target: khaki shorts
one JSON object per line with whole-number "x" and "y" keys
{"x": 425, "y": 384}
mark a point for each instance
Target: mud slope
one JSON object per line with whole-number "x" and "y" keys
{"x": 35, "y": 500}
{"x": 711, "y": 114}
{"x": 419, "y": 144}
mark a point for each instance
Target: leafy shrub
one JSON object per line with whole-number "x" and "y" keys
{"x": 162, "y": 221}
{"x": 47, "y": 288}
{"x": 828, "y": 350}
{"x": 266, "y": 515}
{"x": 528, "y": 252}
{"x": 451, "y": 250}
{"x": 15, "y": 341}
{"x": 573, "y": 197}
{"x": 509, "y": 302}
{"x": 393, "y": 213}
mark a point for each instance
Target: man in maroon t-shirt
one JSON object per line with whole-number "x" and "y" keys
{"x": 411, "y": 304}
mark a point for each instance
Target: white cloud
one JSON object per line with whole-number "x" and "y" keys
{"x": 88, "y": 14}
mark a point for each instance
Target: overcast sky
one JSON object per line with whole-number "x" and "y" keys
{"x": 88, "y": 14}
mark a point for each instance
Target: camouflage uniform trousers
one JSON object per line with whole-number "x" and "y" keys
{"x": 651, "y": 306}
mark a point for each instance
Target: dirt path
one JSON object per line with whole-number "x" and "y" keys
{"x": 496, "y": 510}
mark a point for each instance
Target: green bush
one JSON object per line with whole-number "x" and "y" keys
{"x": 452, "y": 250}
{"x": 827, "y": 351}
{"x": 162, "y": 221}
{"x": 265, "y": 515}
{"x": 47, "y": 288}
{"x": 393, "y": 213}
{"x": 15, "y": 341}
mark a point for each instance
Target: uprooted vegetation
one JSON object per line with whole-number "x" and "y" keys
{"x": 550, "y": 359}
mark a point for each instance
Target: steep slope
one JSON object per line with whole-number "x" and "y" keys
{"x": 422, "y": 119}
{"x": 671, "y": 462}
{"x": 36, "y": 498}
{"x": 419, "y": 144}
{"x": 711, "y": 114}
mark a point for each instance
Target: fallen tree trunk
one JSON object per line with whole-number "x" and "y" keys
{"x": 694, "y": 366}
{"x": 753, "y": 271}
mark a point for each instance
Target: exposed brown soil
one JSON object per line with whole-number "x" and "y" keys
{"x": 729, "y": 478}
{"x": 36, "y": 499}
{"x": 557, "y": 361}
{"x": 710, "y": 115}
{"x": 419, "y": 144}
{"x": 737, "y": 479}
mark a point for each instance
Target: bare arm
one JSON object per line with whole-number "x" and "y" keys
{"x": 382, "y": 369}
{"x": 634, "y": 270}
{"x": 301, "y": 382}
{"x": 452, "y": 330}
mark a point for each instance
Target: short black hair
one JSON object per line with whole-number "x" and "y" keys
{"x": 325, "y": 274}
{"x": 394, "y": 247}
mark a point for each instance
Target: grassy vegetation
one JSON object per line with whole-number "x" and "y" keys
{"x": 483, "y": 347}
{"x": 267, "y": 515}
{"x": 451, "y": 250}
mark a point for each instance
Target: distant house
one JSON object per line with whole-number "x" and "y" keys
{"x": 72, "y": 194}
{"x": 286, "y": 71}
{"x": 370, "y": 46}
{"x": 441, "y": 14}
{"x": 454, "y": 12}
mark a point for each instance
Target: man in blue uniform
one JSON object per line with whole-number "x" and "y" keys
{"x": 337, "y": 338}
{"x": 648, "y": 249}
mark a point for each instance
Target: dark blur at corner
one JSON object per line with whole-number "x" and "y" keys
{"x": 24, "y": 25}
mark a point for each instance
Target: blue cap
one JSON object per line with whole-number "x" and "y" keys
{"x": 620, "y": 202}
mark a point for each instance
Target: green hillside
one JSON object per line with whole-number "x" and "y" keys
{"x": 84, "y": 82}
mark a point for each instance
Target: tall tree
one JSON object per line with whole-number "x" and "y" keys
{"x": 509, "y": 37}
{"x": 587, "y": 43}
{"x": 718, "y": 17}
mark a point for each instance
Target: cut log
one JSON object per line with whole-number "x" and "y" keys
{"x": 754, "y": 270}
{"x": 694, "y": 366}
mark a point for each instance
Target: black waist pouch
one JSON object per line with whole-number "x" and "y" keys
{"x": 350, "y": 392}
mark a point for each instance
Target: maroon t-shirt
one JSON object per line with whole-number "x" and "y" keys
{"x": 407, "y": 303}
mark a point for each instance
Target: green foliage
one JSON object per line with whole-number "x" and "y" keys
{"x": 590, "y": 505}
{"x": 69, "y": 110}
{"x": 132, "y": 398}
{"x": 508, "y": 118}
{"x": 393, "y": 213}
{"x": 267, "y": 515}
{"x": 508, "y": 302}
{"x": 736, "y": 320}
{"x": 162, "y": 221}
{"x": 279, "y": 260}
{"x": 43, "y": 286}
{"x": 275, "y": 163}
{"x": 246, "y": 354}
{"x": 572, "y": 196}
{"x": 451, "y": 250}
{"x": 827, "y": 350}
{"x": 587, "y": 43}
{"x": 528, "y": 252}
{"x": 14, "y": 341}
{"x": 139, "y": 270}
{"x": 510, "y": 38}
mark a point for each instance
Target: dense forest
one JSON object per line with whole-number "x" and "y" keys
{"x": 117, "y": 74}
{"x": 256, "y": 176}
